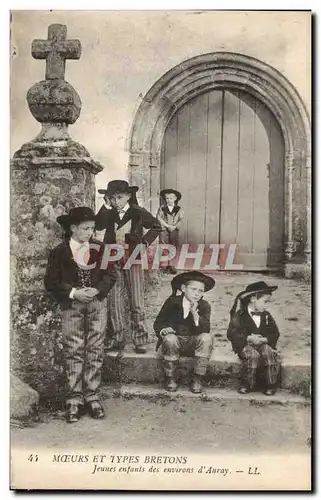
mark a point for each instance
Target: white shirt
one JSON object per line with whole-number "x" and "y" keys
{"x": 256, "y": 318}
{"x": 80, "y": 254}
{"x": 80, "y": 251}
{"x": 170, "y": 208}
{"x": 126, "y": 228}
{"x": 122, "y": 212}
{"x": 187, "y": 309}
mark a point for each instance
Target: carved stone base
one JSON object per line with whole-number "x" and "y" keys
{"x": 42, "y": 187}
{"x": 300, "y": 271}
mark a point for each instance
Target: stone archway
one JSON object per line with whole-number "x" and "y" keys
{"x": 224, "y": 70}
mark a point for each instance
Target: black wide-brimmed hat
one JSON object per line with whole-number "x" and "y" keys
{"x": 118, "y": 186}
{"x": 169, "y": 191}
{"x": 76, "y": 216}
{"x": 252, "y": 289}
{"x": 257, "y": 287}
{"x": 182, "y": 279}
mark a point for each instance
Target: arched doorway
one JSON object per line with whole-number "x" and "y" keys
{"x": 224, "y": 151}
{"x": 235, "y": 75}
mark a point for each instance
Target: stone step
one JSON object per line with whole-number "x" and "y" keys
{"x": 223, "y": 371}
{"x": 210, "y": 394}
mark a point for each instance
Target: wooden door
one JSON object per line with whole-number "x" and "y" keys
{"x": 224, "y": 151}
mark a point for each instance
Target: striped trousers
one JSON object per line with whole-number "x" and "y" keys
{"x": 130, "y": 281}
{"x": 198, "y": 346}
{"x": 83, "y": 331}
{"x": 260, "y": 357}
{"x": 167, "y": 237}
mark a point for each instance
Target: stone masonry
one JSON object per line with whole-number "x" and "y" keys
{"x": 49, "y": 175}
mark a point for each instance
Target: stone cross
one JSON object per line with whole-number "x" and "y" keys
{"x": 56, "y": 50}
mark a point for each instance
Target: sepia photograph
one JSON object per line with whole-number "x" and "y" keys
{"x": 160, "y": 250}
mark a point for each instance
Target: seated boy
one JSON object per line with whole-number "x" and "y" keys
{"x": 254, "y": 334}
{"x": 183, "y": 327}
{"x": 80, "y": 284}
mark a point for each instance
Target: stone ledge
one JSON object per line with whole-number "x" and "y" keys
{"x": 223, "y": 371}
{"x": 216, "y": 395}
{"x": 63, "y": 161}
{"x": 299, "y": 271}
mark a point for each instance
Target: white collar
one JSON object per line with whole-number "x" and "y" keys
{"x": 186, "y": 302}
{"x": 256, "y": 319}
{"x": 75, "y": 245}
{"x": 186, "y": 307}
{"x": 79, "y": 256}
{"x": 124, "y": 209}
{"x": 170, "y": 207}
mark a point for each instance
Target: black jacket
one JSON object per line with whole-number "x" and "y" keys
{"x": 242, "y": 325}
{"x": 61, "y": 273}
{"x": 172, "y": 315}
{"x": 141, "y": 219}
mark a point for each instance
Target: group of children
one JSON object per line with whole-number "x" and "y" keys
{"x": 80, "y": 284}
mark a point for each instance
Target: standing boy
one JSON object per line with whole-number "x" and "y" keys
{"x": 124, "y": 223}
{"x": 254, "y": 335}
{"x": 76, "y": 279}
{"x": 170, "y": 215}
{"x": 183, "y": 327}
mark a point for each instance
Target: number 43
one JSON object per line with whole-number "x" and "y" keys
{"x": 33, "y": 458}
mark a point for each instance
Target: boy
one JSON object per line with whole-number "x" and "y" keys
{"x": 183, "y": 327}
{"x": 170, "y": 215}
{"x": 124, "y": 223}
{"x": 75, "y": 278}
{"x": 254, "y": 335}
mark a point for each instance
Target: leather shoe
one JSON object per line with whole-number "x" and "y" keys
{"x": 243, "y": 390}
{"x": 172, "y": 270}
{"x": 170, "y": 384}
{"x": 140, "y": 349}
{"x": 95, "y": 410}
{"x": 269, "y": 392}
{"x": 196, "y": 386}
{"x": 113, "y": 345}
{"x": 72, "y": 413}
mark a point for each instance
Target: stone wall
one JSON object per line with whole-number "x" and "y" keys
{"x": 38, "y": 195}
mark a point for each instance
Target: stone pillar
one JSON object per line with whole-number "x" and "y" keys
{"x": 308, "y": 243}
{"x": 49, "y": 175}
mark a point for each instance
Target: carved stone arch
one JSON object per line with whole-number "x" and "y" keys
{"x": 225, "y": 70}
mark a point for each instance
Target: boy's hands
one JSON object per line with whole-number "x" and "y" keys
{"x": 255, "y": 339}
{"x": 171, "y": 228}
{"x": 166, "y": 331}
{"x": 107, "y": 201}
{"x": 85, "y": 294}
{"x": 194, "y": 311}
{"x": 194, "y": 307}
{"x": 92, "y": 291}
